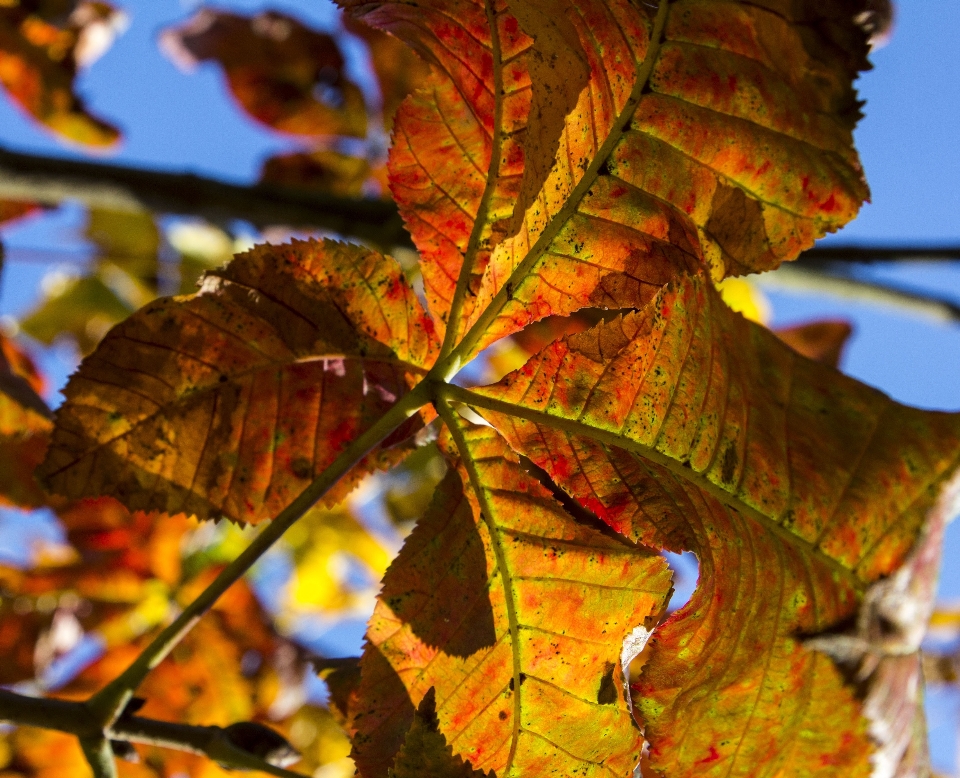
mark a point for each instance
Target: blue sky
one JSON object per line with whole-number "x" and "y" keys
{"x": 908, "y": 143}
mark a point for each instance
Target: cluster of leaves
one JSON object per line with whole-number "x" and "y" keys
{"x": 295, "y": 80}
{"x": 579, "y": 178}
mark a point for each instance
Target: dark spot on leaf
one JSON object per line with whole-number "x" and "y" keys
{"x": 301, "y": 467}
{"x": 729, "y": 464}
{"x": 607, "y": 693}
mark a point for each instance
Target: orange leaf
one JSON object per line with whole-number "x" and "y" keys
{"x": 39, "y": 58}
{"x": 515, "y": 615}
{"x": 476, "y": 122}
{"x": 22, "y": 410}
{"x": 692, "y": 141}
{"x": 200, "y": 404}
{"x": 686, "y": 427}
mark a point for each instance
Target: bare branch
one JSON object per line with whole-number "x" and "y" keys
{"x": 76, "y": 718}
{"x": 811, "y": 279}
{"x": 880, "y": 253}
{"x": 49, "y": 181}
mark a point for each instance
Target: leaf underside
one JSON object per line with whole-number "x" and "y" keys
{"x": 229, "y": 402}
{"x": 564, "y": 156}
{"x": 501, "y": 602}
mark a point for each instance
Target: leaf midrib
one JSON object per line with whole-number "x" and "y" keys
{"x": 486, "y": 515}
{"x": 199, "y": 392}
{"x": 493, "y": 177}
{"x": 465, "y": 347}
{"x": 458, "y": 394}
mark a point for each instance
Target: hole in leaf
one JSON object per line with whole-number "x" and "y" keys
{"x": 686, "y": 574}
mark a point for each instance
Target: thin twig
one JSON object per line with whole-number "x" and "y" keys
{"x": 50, "y": 181}
{"x": 798, "y": 278}
{"x": 867, "y": 253}
{"x": 76, "y": 718}
{"x": 108, "y": 704}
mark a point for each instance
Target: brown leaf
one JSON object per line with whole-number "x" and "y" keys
{"x": 229, "y": 402}
{"x": 281, "y": 72}
{"x": 821, "y": 341}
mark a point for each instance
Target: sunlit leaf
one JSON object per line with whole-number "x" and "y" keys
{"x": 281, "y": 72}
{"x": 708, "y": 134}
{"x": 461, "y": 205}
{"x": 595, "y": 167}
{"x": 322, "y": 542}
{"x": 219, "y": 387}
{"x": 686, "y": 427}
{"x": 321, "y": 742}
{"x": 515, "y": 615}
{"x": 128, "y": 239}
{"x": 85, "y": 308}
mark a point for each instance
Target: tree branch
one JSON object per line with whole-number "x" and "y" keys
{"x": 99, "y": 754}
{"x": 879, "y": 253}
{"x": 76, "y": 718}
{"x": 810, "y": 279}
{"x": 49, "y": 181}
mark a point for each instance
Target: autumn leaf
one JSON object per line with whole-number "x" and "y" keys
{"x": 219, "y": 387}
{"x": 615, "y": 159}
{"x": 426, "y": 752}
{"x": 822, "y": 341}
{"x": 282, "y": 73}
{"x": 19, "y": 458}
{"x": 320, "y": 544}
{"x": 478, "y": 119}
{"x": 22, "y": 410}
{"x": 25, "y": 425}
{"x": 40, "y": 54}
{"x": 118, "y": 581}
{"x": 691, "y": 142}
{"x": 515, "y": 615}
{"x": 685, "y": 427}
